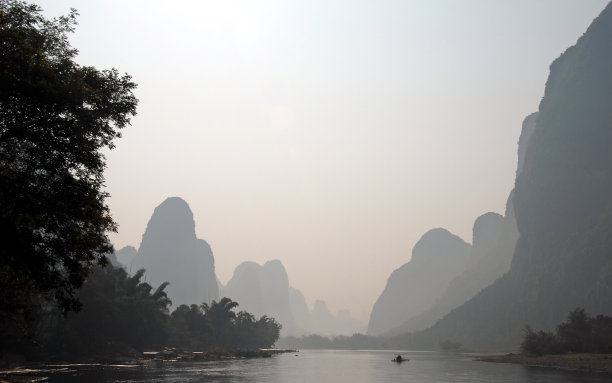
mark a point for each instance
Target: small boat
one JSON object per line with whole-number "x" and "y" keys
{"x": 399, "y": 359}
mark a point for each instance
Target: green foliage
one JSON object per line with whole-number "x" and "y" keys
{"x": 125, "y": 312}
{"x": 122, "y": 315}
{"x": 189, "y": 328}
{"x": 55, "y": 118}
{"x": 578, "y": 334}
{"x": 217, "y": 325}
{"x": 540, "y": 342}
{"x": 221, "y": 317}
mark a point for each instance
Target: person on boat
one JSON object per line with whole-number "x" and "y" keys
{"x": 399, "y": 359}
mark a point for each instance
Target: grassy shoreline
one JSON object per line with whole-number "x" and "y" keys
{"x": 599, "y": 363}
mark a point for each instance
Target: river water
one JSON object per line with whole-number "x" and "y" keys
{"x": 321, "y": 366}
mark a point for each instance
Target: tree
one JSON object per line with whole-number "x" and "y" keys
{"x": 540, "y": 343}
{"x": 576, "y": 331}
{"x": 221, "y": 317}
{"x": 217, "y": 326}
{"x": 268, "y": 330}
{"x": 126, "y": 313}
{"x": 252, "y": 333}
{"x": 55, "y": 119}
{"x": 189, "y": 328}
{"x": 579, "y": 333}
{"x": 601, "y": 326}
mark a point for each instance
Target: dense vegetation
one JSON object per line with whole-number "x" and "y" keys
{"x": 578, "y": 334}
{"x": 123, "y": 316}
{"x": 58, "y": 296}
{"x": 56, "y": 117}
{"x": 217, "y": 325}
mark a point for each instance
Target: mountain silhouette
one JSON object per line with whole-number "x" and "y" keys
{"x": 263, "y": 290}
{"x": 563, "y": 206}
{"x": 170, "y": 251}
{"x": 494, "y": 240}
{"x": 437, "y": 258}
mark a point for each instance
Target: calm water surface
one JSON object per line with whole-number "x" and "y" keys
{"x": 330, "y": 366}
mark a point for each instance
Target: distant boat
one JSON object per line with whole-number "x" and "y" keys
{"x": 399, "y": 359}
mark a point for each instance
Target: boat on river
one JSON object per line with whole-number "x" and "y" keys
{"x": 400, "y": 359}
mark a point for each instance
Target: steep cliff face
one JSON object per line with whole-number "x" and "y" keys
{"x": 300, "y": 310}
{"x": 245, "y": 288}
{"x": 437, "y": 258}
{"x": 263, "y": 290}
{"x": 489, "y": 260}
{"x": 170, "y": 251}
{"x": 347, "y": 325}
{"x": 563, "y": 204}
{"x": 485, "y": 235}
{"x": 323, "y": 321}
{"x": 205, "y": 272}
{"x": 112, "y": 259}
{"x": 494, "y": 240}
{"x": 529, "y": 124}
{"x": 126, "y": 255}
{"x": 564, "y": 195}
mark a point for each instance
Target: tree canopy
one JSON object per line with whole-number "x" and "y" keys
{"x": 123, "y": 315}
{"x": 216, "y": 324}
{"x": 126, "y": 312}
{"x": 580, "y": 333}
{"x": 56, "y": 117}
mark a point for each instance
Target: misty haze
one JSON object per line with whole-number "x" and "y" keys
{"x": 277, "y": 191}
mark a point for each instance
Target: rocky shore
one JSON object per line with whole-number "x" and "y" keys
{"x": 600, "y": 363}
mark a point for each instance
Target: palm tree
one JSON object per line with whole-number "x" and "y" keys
{"x": 221, "y": 317}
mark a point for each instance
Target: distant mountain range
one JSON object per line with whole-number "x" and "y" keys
{"x": 265, "y": 290}
{"x": 437, "y": 258}
{"x": 563, "y": 211}
{"x": 550, "y": 252}
{"x": 488, "y": 258}
{"x": 170, "y": 251}
{"x": 493, "y": 242}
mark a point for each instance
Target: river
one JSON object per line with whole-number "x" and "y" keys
{"x": 321, "y": 366}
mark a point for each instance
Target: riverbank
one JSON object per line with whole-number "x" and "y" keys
{"x": 600, "y": 363}
{"x": 174, "y": 355}
{"x": 35, "y": 372}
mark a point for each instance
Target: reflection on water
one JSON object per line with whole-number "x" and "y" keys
{"x": 329, "y": 366}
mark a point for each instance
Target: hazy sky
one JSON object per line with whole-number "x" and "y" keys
{"x": 328, "y": 134}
